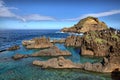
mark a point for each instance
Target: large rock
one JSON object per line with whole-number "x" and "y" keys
{"x": 74, "y": 41}
{"x": 101, "y": 43}
{"x": 112, "y": 64}
{"x": 42, "y": 42}
{"x": 59, "y": 62}
{"x": 86, "y": 25}
{"x": 52, "y": 51}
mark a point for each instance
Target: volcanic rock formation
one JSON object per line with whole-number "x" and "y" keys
{"x": 86, "y": 25}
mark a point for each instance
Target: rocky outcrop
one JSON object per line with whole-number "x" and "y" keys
{"x": 110, "y": 65}
{"x": 74, "y": 41}
{"x": 86, "y": 25}
{"x": 42, "y": 42}
{"x": 13, "y": 48}
{"x": 101, "y": 43}
{"x": 52, "y": 51}
{"x": 19, "y": 56}
{"x": 59, "y": 62}
{"x": 58, "y": 41}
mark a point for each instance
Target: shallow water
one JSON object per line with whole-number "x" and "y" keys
{"x": 24, "y": 70}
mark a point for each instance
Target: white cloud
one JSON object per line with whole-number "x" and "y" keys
{"x": 6, "y": 12}
{"x": 37, "y": 17}
{"x": 102, "y": 14}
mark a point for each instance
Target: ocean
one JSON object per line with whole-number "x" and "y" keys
{"x": 24, "y": 70}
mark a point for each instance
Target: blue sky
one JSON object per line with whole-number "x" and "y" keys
{"x": 56, "y": 14}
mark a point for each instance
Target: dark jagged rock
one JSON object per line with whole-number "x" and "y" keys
{"x": 42, "y": 42}
{"x": 13, "y": 48}
{"x": 101, "y": 43}
{"x": 86, "y": 25}
{"x": 75, "y": 41}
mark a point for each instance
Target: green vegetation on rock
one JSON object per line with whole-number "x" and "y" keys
{"x": 115, "y": 36}
{"x": 100, "y": 41}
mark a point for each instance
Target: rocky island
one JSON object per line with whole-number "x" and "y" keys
{"x": 86, "y": 25}
{"x": 37, "y": 43}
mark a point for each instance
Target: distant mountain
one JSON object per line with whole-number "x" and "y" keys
{"x": 86, "y": 25}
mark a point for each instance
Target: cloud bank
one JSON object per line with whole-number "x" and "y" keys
{"x": 6, "y": 12}
{"x": 101, "y": 14}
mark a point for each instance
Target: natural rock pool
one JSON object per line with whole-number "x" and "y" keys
{"x": 24, "y": 70}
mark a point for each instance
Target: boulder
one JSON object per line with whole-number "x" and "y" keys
{"x": 85, "y": 25}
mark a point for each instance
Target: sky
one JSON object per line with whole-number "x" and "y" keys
{"x": 56, "y": 14}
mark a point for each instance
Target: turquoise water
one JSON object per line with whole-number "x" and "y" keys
{"x": 24, "y": 70}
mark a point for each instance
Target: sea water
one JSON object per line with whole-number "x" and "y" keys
{"x": 24, "y": 70}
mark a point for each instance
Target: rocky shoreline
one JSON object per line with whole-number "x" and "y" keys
{"x": 107, "y": 65}
{"x": 98, "y": 40}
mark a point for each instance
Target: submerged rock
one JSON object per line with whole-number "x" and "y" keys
{"x": 19, "y": 56}
{"x": 13, "y": 48}
{"x": 86, "y": 25}
{"x": 42, "y": 42}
